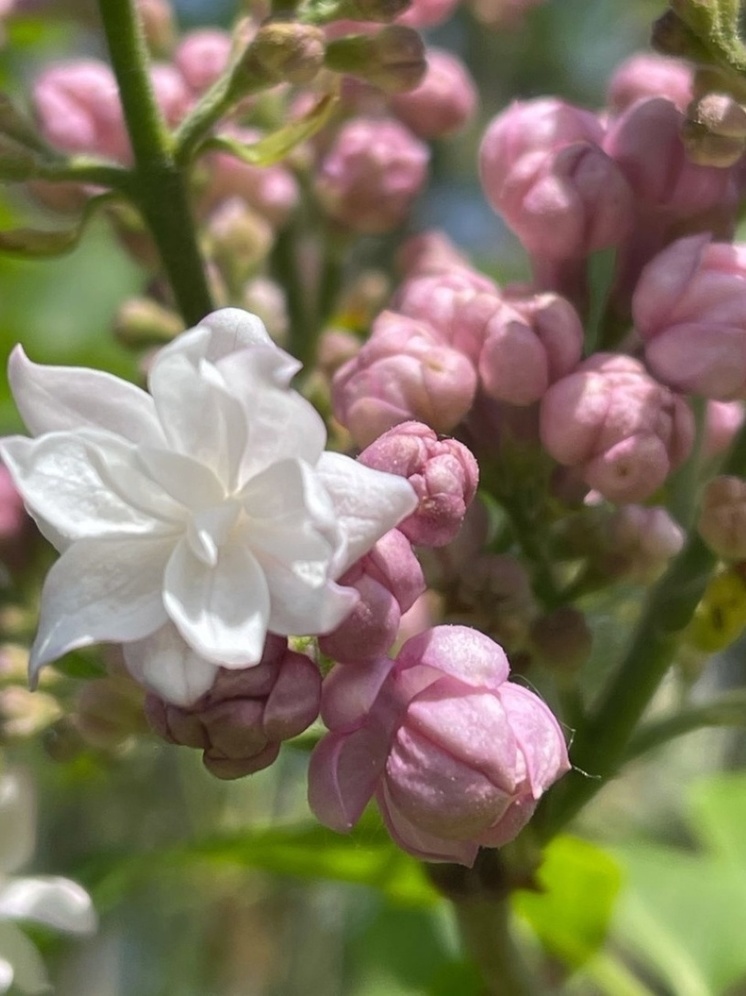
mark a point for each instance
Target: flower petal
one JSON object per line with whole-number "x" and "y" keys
{"x": 368, "y": 502}
{"x": 539, "y": 737}
{"x": 342, "y": 776}
{"x": 167, "y": 665}
{"x": 420, "y": 843}
{"x": 218, "y": 334}
{"x": 54, "y": 399}
{"x": 220, "y": 611}
{"x": 187, "y": 481}
{"x": 199, "y": 416}
{"x": 60, "y": 477}
{"x": 18, "y": 820}
{"x": 100, "y": 590}
{"x": 57, "y": 902}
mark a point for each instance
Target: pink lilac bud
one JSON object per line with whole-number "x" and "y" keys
{"x": 445, "y": 566}
{"x": 15, "y": 525}
{"x": 370, "y": 177}
{"x": 645, "y": 142}
{"x": 158, "y": 25}
{"x": 722, "y": 517}
{"x": 638, "y": 542}
{"x": 78, "y": 109}
{"x": 494, "y": 593}
{"x": 457, "y": 303}
{"x": 566, "y": 203}
{"x": 445, "y": 100}
{"x": 690, "y": 308}
{"x": 455, "y": 755}
{"x": 646, "y": 74}
{"x": 241, "y": 721}
{"x": 443, "y": 473}
{"x": 528, "y": 127}
{"x": 528, "y": 345}
{"x": 403, "y": 372}
{"x": 266, "y": 298}
{"x": 618, "y": 426}
{"x": 389, "y": 580}
{"x": 270, "y": 190}
{"x": 171, "y": 93}
{"x": 202, "y": 56}
{"x": 427, "y": 13}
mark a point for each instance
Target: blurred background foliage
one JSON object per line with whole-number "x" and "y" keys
{"x": 192, "y": 902}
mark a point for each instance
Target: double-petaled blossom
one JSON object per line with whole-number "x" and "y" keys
{"x": 623, "y": 430}
{"x": 690, "y": 308}
{"x": 194, "y": 519}
{"x": 456, "y": 756}
{"x": 53, "y": 901}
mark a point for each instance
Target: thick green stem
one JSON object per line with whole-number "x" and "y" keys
{"x": 601, "y": 744}
{"x": 485, "y": 929}
{"x": 159, "y": 184}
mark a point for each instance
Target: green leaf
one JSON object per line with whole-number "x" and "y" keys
{"x": 718, "y": 814}
{"x": 276, "y": 146}
{"x": 30, "y": 242}
{"x": 571, "y": 916}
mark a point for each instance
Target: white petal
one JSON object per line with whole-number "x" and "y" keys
{"x": 189, "y": 482}
{"x": 17, "y": 951}
{"x": 6, "y": 975}
{"x": 220, "y": 611}
{"x": 199, "y": 416}
{"x": 57, "y": 902}
{"x": 301, "y": 604}
{"x": 61, "y": 480}
{"x": 18, "y": 821}
{"x": 281, "y": 423}
{"x": 368, "y": 502}
{"x": 52, "y": 399}
{"x": 288, "y": 495}
{"x": 218, "y": 334}
{"x": 100, "y": 590}
{"x": 168, "y": 666}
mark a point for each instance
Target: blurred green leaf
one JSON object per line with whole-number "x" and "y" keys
{"x": 580, "y": 884}
{"x": 682, "y": 914}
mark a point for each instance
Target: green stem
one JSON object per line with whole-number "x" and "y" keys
{"x": 80, "y": 169}
{"x": 484, "y": 924}
{"x": 159, "y": 184}
{"x": 728, "y": 710}
{"x": 528, "y": 534}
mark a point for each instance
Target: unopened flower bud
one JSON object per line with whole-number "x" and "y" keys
{"x": 637, "y": 542}
{"x": 715, "y": 130}
{"x": 141, "y": 321}
{"x": 202, "y": 57}
{"x": 239, "y": 240}
{"x": 444, "y": 101}
{"x": 443, "y": 473}
{"x": 158, "y": 25}
{"x": 722, "y": 517}
{"x": 393, "y": 59}
{"x": 646, "y": 74}
{"x": 241, "y": 721}
{"x": 370, "y": 177}
{"x": 285, "y": 52}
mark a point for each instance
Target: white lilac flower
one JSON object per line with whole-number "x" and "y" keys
{"x": 194, "y": 519}
{"x": 56, "y": 902}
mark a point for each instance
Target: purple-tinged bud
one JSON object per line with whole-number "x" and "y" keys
{"x": 202, "y": 57}
{"x": 443, "y": 473}
{"x": 722, "y": 517}
{"x": 645, "y": 142}
{"x": 690, "y": 308}
{"x": 445, "y": 100}
{"x": 388, "y": 580}
{"x": 456, "y": 756}
{"x": 638, "y": 541}
{"x": 562, "y": 640}
{"x": 457, "y": 303}
{"x": 285, "y": 52}
{"x": 528, "y": 345}
{"x": 393, "y": 58}
{"x": 528, "y": 127}
{"x": 403, "y": 372}
{"x": 646, "y": 74}
{"x": 623, "y": 430}
{"x": 241, "y": 721}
